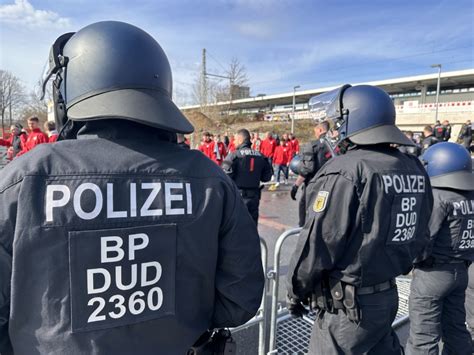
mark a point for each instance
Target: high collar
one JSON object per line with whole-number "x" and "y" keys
{"x": 244, "y": 145}
{"x": 120, "y": 129}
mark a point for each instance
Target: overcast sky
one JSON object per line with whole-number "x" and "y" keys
{"x": 311, "y": 43}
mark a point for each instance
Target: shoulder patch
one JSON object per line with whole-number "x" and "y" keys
{"x": 321, "y": 201}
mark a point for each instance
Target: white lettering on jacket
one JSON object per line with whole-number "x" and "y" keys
{"x": 174, "y": 198}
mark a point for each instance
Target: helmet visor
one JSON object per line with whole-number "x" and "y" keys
{"x": 325, "y": 106}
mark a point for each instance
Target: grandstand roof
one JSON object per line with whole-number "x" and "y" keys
{"x": 397, "y": 85}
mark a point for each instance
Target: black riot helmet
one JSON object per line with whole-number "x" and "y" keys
{"x": 113, "y": 70}
{"x": 449, "y": 165}
{"x": 363, "y": 114}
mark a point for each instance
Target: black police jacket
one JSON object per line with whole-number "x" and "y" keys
{"x": 313, "y": 156}
{"x": 439, "y": 131}
{"x": 121, "y": 243}
{"x": 367, "y": 220}
{"x": 428, "y": 142}
{"x": 452, "y": 225}
{"x": 247, "y": 167}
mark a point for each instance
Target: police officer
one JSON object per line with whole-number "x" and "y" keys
{"x": 111, "y": 243}
{"x": 247, "y": 168}
{"x": 368, "y": 210}
{"x": 439, "y": 131}
{"x": 428, "y": 139}
{"x": 440, "y": 279}
{"x": 447, "y": 130}
{"x": 313, "y": 156}
{"x": 470, "y": 303}
{"x": 465, "y": 135}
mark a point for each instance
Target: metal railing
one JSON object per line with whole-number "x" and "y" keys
{"x": 260, "y": 317}
{"x": 272, "y": 281}
{"x": 274, "y": 275}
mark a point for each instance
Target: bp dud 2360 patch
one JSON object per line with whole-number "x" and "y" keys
{"x": 321, "y": 201}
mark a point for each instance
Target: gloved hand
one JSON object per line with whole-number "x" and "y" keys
{"x": 296, "y": 307}
{"x": 294, "y": 190}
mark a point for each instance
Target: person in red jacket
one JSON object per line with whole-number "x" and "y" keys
{"x": 256, "y": 141}
{"x": 281, "y": 159}
{"x": 267, "y": 147}
{"x": 50, "y": 129}
{"x": 35, "y": 137}
{"x": 206, "y": 145}
{"x": 231, "y": 148}
{"x": 15, "y": 142}
{"x": 218, "y": 150}
{"x": 295, "y": 144}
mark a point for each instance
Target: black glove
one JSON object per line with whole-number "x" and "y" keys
{"x": 294, "y": 190}
{"x": 296, "y": 307}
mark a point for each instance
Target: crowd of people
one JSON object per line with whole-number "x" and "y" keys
{"x": 432, "y": 134}
{"x": 22, "y": 140}
{"x": 278, "y": 150}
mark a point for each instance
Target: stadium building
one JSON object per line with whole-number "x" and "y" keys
{"x": 414, "y": 98}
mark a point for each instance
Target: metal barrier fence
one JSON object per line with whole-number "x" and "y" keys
{"x": 274, "y": 275}
{"x": 260, "y": 317}
{"x": 3, "y": 157}
{"x": 295, "y": 328}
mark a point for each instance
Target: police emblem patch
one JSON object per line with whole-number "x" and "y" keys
{"x": 321, "y": 201}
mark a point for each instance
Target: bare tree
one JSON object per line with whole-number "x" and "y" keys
{"x": 11, "y": 95}
{"x": 237, "y": 73}
{"x": 34, "y": 106}
{"x": 211, "y": 88}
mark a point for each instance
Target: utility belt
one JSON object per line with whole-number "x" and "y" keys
{"x": 332, "y": 295}
{"x": 215, "y": 342}
{"x": 431, "y": 262}
{"x": 250, "y": 193}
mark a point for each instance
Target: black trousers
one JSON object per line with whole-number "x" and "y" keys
{"x": 335, "y": 334}
{"x": 251, "y": 199}
{"x": 470, "y": 303}
{"x": 437, "y": 311}
{"x": 302, "y": 206}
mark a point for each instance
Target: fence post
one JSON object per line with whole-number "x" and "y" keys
{"x": 262, "y": 327}
{"x": 274, "y": 275}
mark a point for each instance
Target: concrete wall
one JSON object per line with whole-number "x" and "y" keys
{"x": 429, "y": 99}
{"x": 417, "y": 121}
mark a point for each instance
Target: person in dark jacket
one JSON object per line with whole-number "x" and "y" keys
{"x": 440, "y": 277}
{"x": 313, "y": 156}
{"x": 447, "y": 131}
{"x": 466, "y": 134}
{"x": 470, "y": 303}
{"x": 16, "y": 142}
{"x": 439, "y": 131}
{"x": 115, "y": 240}
{"x": 428, "y": 139}
{"x": 368, "y": 212}
{"x": 248, "y": 168}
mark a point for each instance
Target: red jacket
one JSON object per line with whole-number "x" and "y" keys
{"x": 295, "y": 146}
{"x": 9, "y": 144}
{"x": 282, "y": 155}
{"x": 206, "y": 148}
{"x": 222, "y": 152}
{"x": 267, "y": 147}
{"x": 231, "y": 147}
{"x": 53, "y": 136}
{"x": 257, "y": 144}
{"x": 34, "y": 138}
